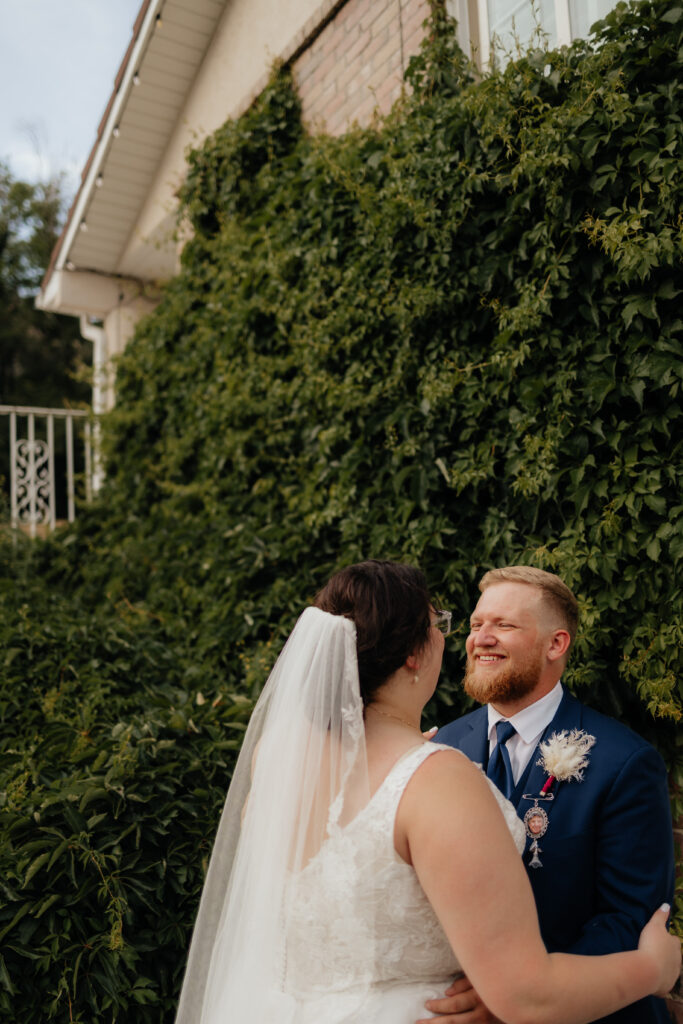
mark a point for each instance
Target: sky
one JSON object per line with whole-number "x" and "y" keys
{"x": 58, "y": 62}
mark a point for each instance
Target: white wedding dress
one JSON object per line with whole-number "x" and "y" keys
{"x": 363, "y": 944}
{"x": 308, "y": 915}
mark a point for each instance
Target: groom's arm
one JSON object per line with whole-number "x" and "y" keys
{"x": 634, "y": 856}
{"x": 633, "y": 872}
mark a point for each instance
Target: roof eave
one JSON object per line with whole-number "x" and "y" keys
{"x": 123, "y": 83}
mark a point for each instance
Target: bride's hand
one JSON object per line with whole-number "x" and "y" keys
{"x": 665, "y": 949}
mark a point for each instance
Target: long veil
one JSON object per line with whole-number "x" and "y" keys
{"x": 301, "y": 774}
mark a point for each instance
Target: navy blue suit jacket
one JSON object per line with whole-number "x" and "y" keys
{"x": 607, "y": 855}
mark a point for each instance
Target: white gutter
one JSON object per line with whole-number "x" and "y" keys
{"x": 82, "y": 203}
{"x": 95, "y": 334}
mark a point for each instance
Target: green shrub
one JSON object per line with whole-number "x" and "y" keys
{"x": 114, "y": 760}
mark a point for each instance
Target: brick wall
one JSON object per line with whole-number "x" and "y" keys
{"x": 355, "y": 64}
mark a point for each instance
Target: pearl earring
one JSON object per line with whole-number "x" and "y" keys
{"x": 416, "y": 678}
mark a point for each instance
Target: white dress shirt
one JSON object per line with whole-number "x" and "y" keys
{"x": 529, "y": 723}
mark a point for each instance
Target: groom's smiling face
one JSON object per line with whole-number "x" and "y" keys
{"x": 507, "y": 644}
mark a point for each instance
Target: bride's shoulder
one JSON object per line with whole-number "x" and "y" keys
{"x": 444, "y": 767}
{"x": 444, "y": 791}
{"x": 449, "y": 788}
{"x": 451, "y": 759}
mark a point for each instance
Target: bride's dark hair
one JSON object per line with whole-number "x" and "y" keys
{"x": 389, "y": 604}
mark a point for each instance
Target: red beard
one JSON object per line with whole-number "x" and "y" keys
{"x": 508, "y": 684}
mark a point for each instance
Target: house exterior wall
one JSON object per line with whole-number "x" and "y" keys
{"x": 355, "y": 65}
{"x": 348, "y": 58}
{"x": 249, "y": 36}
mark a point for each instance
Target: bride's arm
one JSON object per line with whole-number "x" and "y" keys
{"x": 474, "y": 878}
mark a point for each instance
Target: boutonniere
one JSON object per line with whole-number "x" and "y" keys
{"x": 564, "y": 758}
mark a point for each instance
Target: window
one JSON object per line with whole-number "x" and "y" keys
{"x": 517, "y": 21}
{"x": 584, "y": 13}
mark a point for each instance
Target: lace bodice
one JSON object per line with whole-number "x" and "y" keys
{"x": 356, "y": 914}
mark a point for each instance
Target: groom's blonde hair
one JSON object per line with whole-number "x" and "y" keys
{"x": 556, "y": 594}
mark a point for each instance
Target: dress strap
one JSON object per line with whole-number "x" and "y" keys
{"x": 390, "y": 792}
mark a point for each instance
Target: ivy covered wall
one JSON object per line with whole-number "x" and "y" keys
{"x": 453, "y": 339}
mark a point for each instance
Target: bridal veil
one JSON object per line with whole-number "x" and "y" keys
{"x": 301, "y": 775}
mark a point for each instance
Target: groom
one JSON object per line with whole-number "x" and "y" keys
{"x": 599, "y": 854}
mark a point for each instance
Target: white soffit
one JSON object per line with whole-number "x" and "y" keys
{"x": 170, "y": 39}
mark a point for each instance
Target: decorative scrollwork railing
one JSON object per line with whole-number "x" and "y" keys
{"x": 31, "y": 464}
{"x": 33, "y": 491}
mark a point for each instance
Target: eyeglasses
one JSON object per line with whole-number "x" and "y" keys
{"x": 442, "y": 621}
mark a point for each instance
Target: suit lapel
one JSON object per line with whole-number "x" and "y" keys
{"x": 567, "y": 716}
{"x": 475, "y": 742}
{"x": 531, "y": 779}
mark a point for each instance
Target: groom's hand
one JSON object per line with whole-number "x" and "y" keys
{"x": 460, "y": 1005}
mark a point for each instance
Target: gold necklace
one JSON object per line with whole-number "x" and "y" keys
{"x": 397, "y": 718}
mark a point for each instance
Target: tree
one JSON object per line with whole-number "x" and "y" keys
{"x": 43, "y": 359}
{"x": 39, "y": 352}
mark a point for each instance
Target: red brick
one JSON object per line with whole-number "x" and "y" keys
{"x": 365, "y": 72}
{"x": 412, "y": 44}
{"x": 367, "y": 101}
{"x": 362, "y": 8}
{"x": 336, "y": 104}
{"x": 301, "y": 81}
{"x": 413, "y": 25}
{"x": 304, "y": 72}
{"x": 334, "y": 54}
{"x": 314, "y": 53}
{"x": 329, "y": 68}
{"x": 344, "y": 15}
{"x": 353, "y": 67}
{"x": 410, "y": 24}
{"x": 322, "y": 94}
{"x": 416, "y": 12}
{"x": 315, "y": 123}
{"x": 313, "y": 56}
{"x": 376, "y": 44}
{"x": 389, "y": 16}
{"x": 356, "y": 48}
{"x": 389, "y": 54}
{"x": 374, "y": 11}
{"x": 388, "y": 88}
{"x": 347, "y": 76}
{"x": 329, "y": 38}
{"x": 318, "y": 96}
{"x": 336, "y": 127}
{"x": 413, "y": 18}
{"x": 305, "y": 68}
{"x": 349, "y": 37}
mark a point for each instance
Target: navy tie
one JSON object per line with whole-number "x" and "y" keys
{"x": 500, "y": 770}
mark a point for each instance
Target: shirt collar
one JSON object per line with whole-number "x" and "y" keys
{"x": 530, "y": 722}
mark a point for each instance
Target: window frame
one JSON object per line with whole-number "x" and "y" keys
{"x": 474, "y": 34}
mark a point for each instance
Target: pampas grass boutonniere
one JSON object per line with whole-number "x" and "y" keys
{"x": 565, "y": 754}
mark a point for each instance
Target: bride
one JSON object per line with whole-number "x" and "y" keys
{"x": 357, "y": 868}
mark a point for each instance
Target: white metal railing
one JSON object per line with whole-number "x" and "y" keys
{"x": 33, "y": 491}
